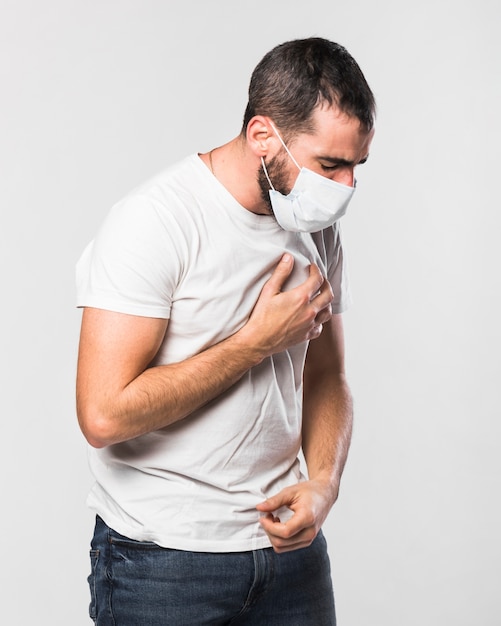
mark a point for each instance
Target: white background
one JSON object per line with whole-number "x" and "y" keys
{"x": 96, "y": 96}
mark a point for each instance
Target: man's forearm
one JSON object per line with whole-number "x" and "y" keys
{"x": 327, "y": 428}
{"x": 164, "y": 394}
{"x": 327, "y": 408}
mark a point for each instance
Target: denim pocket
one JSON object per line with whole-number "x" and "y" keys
{"x": 94, "y": 558}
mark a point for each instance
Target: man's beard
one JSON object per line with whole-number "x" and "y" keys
{"x": 277, "y": 171}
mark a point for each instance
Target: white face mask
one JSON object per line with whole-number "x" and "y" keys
{"x": 314, "y": 203}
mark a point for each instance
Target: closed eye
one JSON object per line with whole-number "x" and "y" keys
{"x": 334, "y": 164}
{"x": 329, "y": 168}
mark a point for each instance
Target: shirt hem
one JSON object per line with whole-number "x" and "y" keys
{"x": 177, "y": 543}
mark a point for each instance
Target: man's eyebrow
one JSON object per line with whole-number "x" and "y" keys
{"x": 339, "y": 161}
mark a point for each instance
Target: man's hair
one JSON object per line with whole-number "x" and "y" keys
{"x": 296, "y": 76}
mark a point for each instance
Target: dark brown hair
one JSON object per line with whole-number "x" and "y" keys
{"x": 296, "y": 76}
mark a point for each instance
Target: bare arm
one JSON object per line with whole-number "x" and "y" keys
{"x": 327, "y": 425}
{"x": 119, "y": 397}
{"x": 328, "y": 410}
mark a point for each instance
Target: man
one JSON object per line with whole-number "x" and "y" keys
{"x": 211, "y": 351}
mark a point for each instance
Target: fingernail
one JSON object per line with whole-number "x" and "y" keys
{"x": 286, "y": 258}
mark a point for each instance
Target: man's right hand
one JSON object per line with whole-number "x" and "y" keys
{"x": 283, "y": 319}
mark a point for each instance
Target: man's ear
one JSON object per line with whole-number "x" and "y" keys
{"x": 260, "y": 136}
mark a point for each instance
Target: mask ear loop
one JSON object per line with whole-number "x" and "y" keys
{"x": 266, "y": 174}
{"x": 283, "y": 144}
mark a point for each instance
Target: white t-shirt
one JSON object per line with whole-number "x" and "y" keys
{"x": 182, "y": 248}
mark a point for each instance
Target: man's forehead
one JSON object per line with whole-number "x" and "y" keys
{"x": 336, "y": 136}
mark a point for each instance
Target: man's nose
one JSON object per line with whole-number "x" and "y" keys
{"x": 346, "y": 176}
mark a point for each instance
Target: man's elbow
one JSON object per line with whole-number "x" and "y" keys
{"x": 96, "y": 426}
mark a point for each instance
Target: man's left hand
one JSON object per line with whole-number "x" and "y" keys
{"x": 310, "y": 501}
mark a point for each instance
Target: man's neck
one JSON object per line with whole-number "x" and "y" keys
{"x": 236, "y": 168}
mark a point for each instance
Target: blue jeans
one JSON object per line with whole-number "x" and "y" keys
{"x": 140, "y": 584}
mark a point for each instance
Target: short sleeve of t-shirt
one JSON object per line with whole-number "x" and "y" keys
{"x": 139, "y": 246}
{"x": 330, "y": 248}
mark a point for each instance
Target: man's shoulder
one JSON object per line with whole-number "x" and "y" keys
{"x": 173, "y": 179}
{"x": 171, "y": 192}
